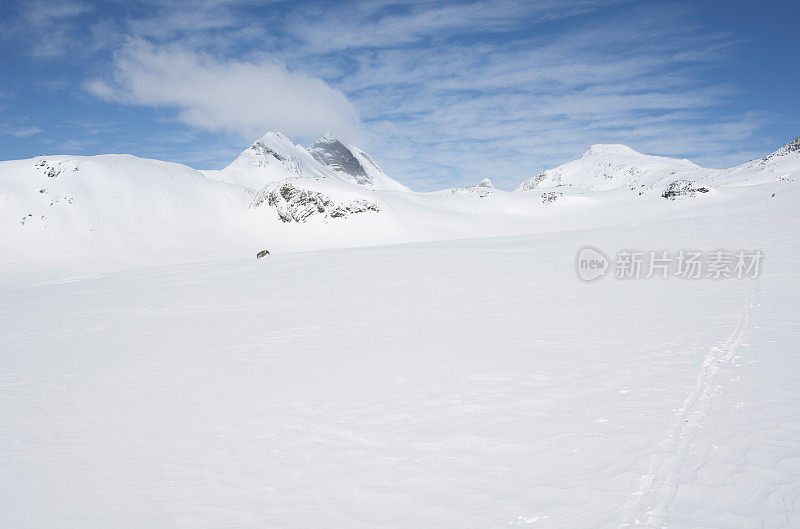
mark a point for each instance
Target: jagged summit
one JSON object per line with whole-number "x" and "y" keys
{"x": 351, "y": 164}
{"x": 486, "y": 183}
{"x": 331, "y": 152}
{"x": 271, "y": 145}
{"x": 274, "y": 157}
{"x": 791, "y": 147}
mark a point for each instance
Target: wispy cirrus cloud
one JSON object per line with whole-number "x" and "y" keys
{"x": 391, "y": 24}
{"x": 19, "y": 131}
{"x": 440, "y": 92}
{"x": 471, "y": 108}
{"x": 48, "y": 25}
{"x": 24, "y": 132}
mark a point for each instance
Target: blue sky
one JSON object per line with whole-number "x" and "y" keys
{"x": 439, "y": 93}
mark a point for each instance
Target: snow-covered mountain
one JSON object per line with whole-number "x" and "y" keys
{"x": 606, "y": 167}
{"x": 274, "y": 158}
{"x": 65, "y": 215}
{"x": 609, "y": 167}
{"x": 99, "y": 210}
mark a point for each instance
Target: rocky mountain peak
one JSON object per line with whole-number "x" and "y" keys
{"x": 792, "y": 146}
{"x": 331, "y": 152}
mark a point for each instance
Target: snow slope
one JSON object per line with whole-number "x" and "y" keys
{"x": 475, "y": 382}
{"x": 60, "y": 212}
{"x": 469, "y": 383}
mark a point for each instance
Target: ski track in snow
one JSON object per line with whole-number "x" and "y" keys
{"x": 659, "y": 486}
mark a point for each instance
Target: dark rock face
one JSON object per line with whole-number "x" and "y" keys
{"x": 262, "y": 253}
{"x": 50, "y": 171}
{"x": 682, "y": 188}
{"x": 333, "y": 153}
{"x": 295, "y": 204}
{"x": 792, "y": 146}
{"x": 534, "y": 182}
{"x": 550, "y": 197}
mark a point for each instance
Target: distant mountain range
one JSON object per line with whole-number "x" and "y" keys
{"x": 73, "y": 214}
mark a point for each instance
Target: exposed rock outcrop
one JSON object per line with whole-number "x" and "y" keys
{"x": 296, "y": 204}
{"x": 682, "y": 188}
{"x": 550, "y": 197}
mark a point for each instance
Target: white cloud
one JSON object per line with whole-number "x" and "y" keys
{"x": 246, "y": 98}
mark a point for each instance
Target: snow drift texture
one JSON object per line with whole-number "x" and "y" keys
{"x": 469, "y": 383}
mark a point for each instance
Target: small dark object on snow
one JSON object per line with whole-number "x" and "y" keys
{"x": 262, "y": 253}
{"x": 773, "y": 194}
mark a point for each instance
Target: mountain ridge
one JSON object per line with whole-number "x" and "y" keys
{"x": 89, "y": 213}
